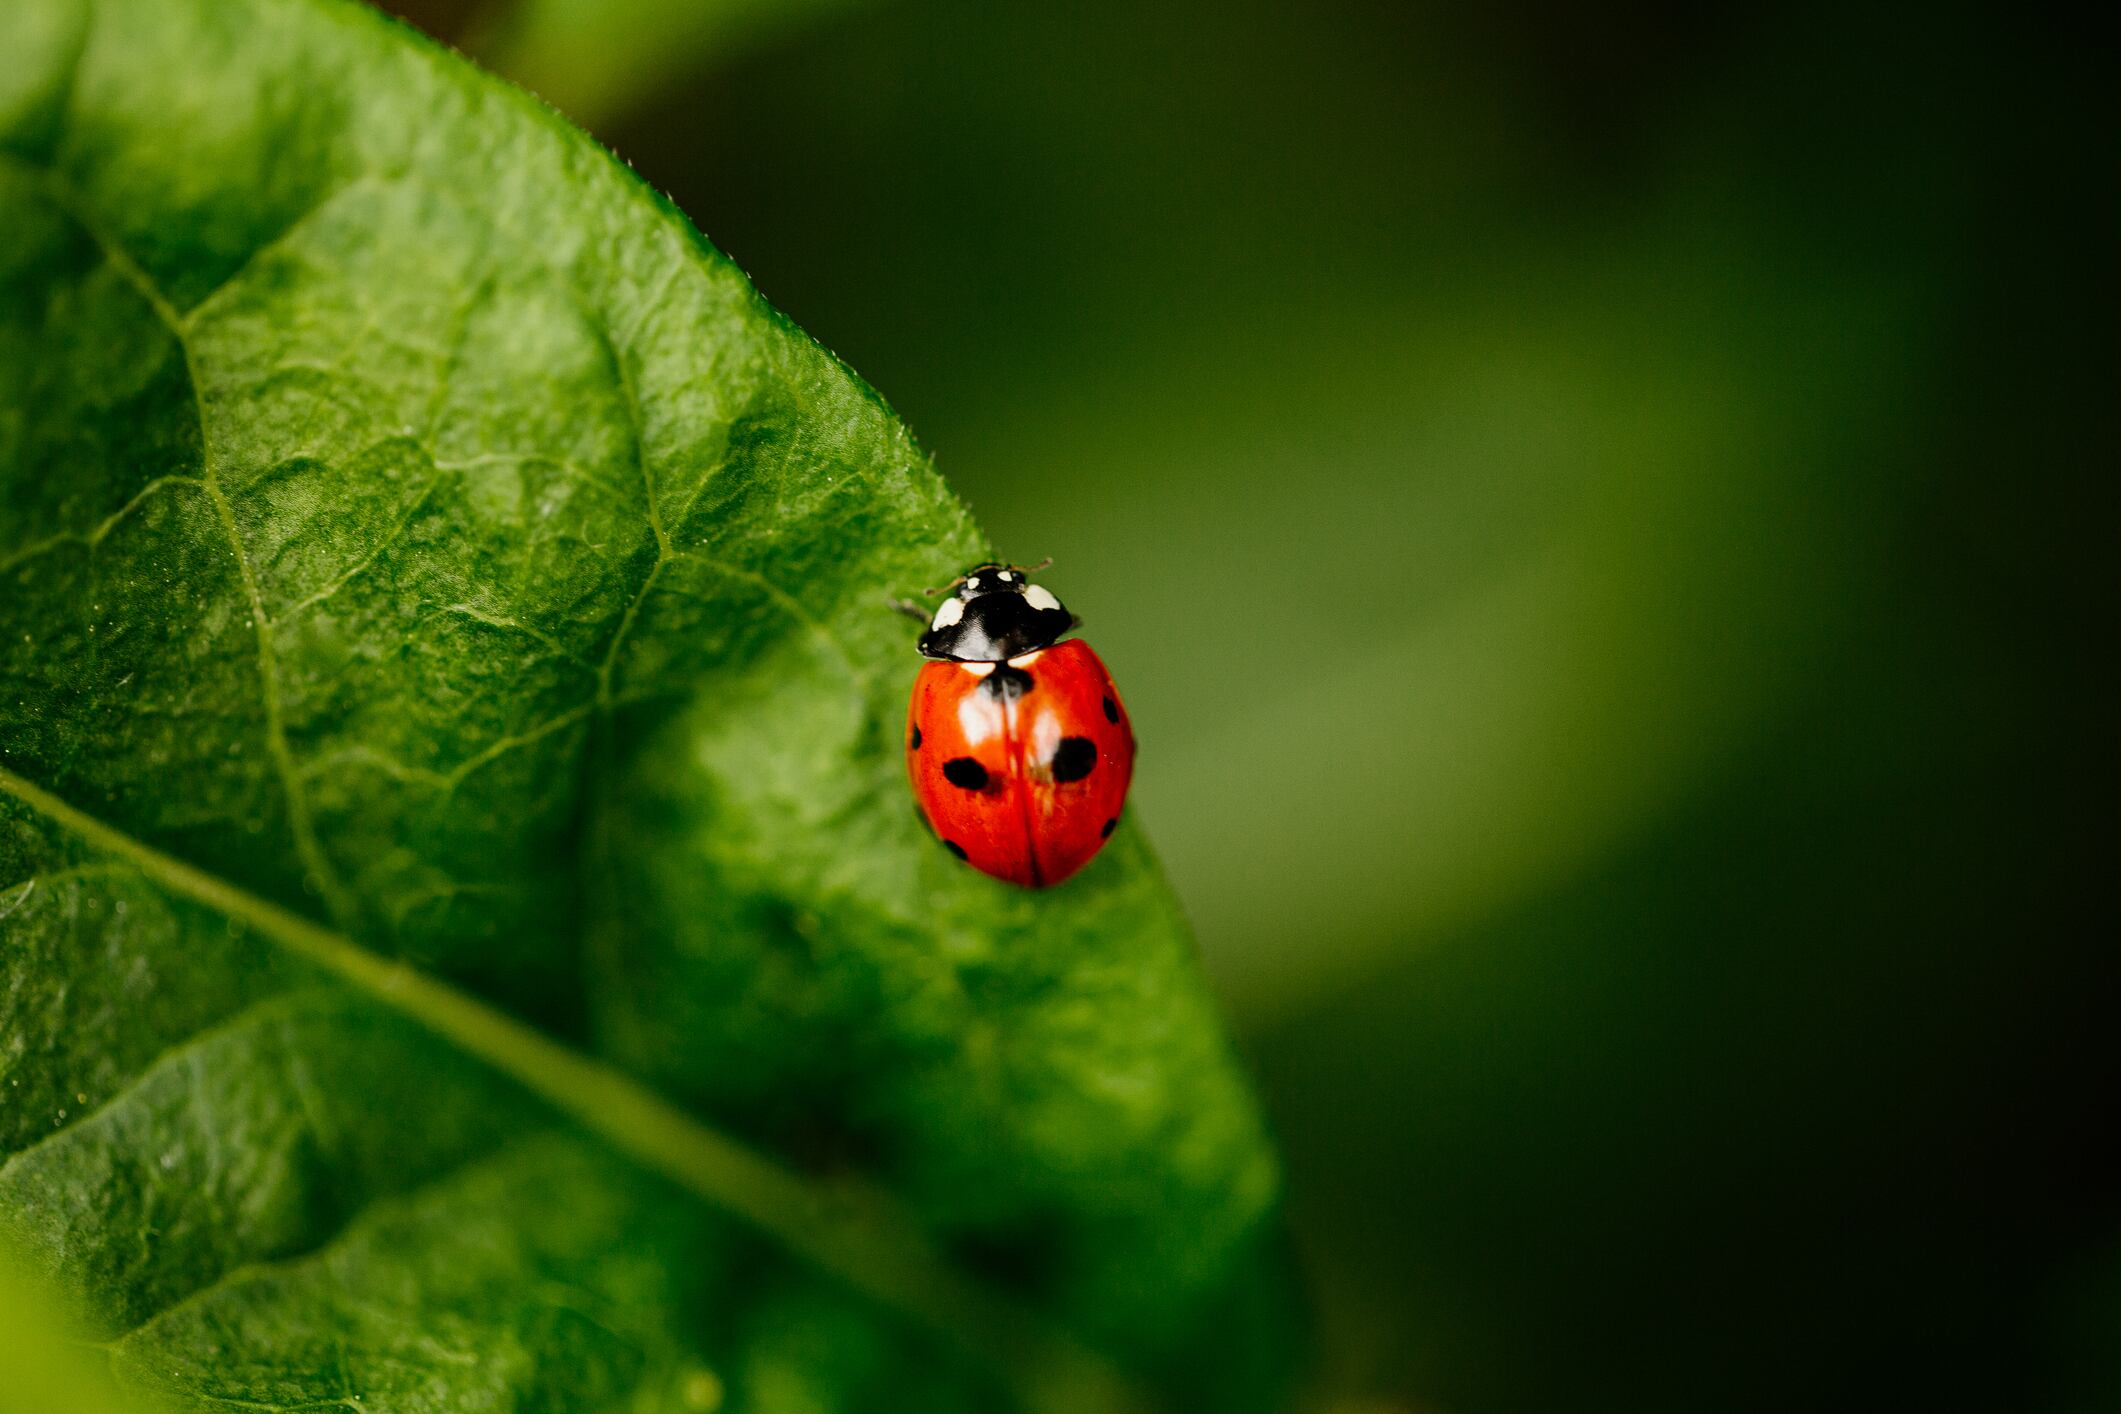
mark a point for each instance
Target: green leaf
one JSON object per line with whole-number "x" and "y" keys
{"x": 47, "y": 1366}
{"x": 464, "y": 941}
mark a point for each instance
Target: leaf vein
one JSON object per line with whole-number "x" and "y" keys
{"x": 288, "y": 234}
{"x": 793, "y": 607}
{"x": 182, "y": 1051}
{"x": 307, "y": 846}
{"x": 346, "y": 1232}
{"x": 95, "y": 535}
{"x": 375, "y": 552}
{"x": 632, "y": 403}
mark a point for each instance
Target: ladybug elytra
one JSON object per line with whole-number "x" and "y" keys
{"x": 1019, "y": 749}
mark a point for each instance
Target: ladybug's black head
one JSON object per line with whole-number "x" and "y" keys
{"x": 994, "y": 613}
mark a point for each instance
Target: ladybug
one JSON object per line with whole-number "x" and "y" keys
{"x": 1018, "y": 747}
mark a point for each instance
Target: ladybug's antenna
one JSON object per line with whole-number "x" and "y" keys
{"x": 910, "y": 609}
{"x": 1034, "y": 569}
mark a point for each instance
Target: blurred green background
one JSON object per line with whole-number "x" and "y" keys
{"x": 1603, "y": 519}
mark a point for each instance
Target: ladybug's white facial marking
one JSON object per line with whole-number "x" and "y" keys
{"x": 1040, "y": 597}
{"x": 951, "y": 611}
{"x": 1006, "y": 576}
{"x": 972, "y": 583}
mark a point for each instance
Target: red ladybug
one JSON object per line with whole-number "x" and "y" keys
{"x": 1018, "y": 746}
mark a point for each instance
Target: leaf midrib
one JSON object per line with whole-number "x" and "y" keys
{"x": 858, "y": 1236}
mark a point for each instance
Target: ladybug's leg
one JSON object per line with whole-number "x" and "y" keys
{"x": 910, "y": 609}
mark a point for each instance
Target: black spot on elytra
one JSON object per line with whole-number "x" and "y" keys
{"x": 916, "y": 739}
{"x": 955, "y": 848}
{"x": 1007, "y": 683}
{"x": 1074, "y": 758}
{"x": 1104, "y": 831}
{"x": 965, "y": 773}
{"x": 1111, "y": 710}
